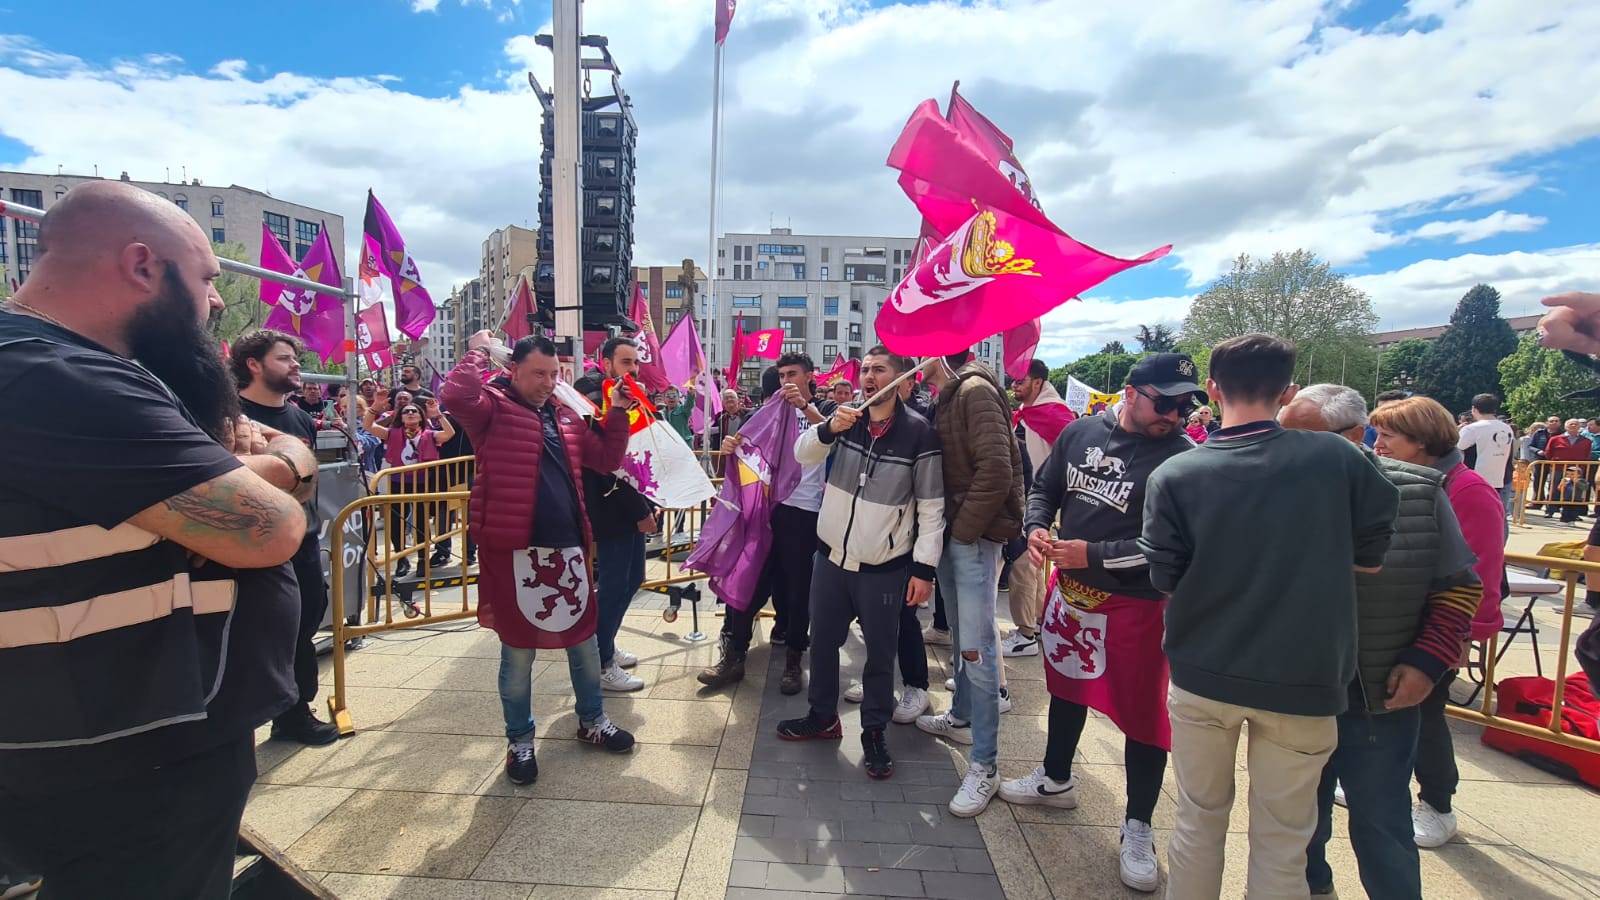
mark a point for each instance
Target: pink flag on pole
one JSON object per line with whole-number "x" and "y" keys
{"x": 651, "y": 371}
{"x": 372, "y": 338}
{"x": 846, "y": 370}
{"x": 1018, "y": 344}
{"x": 767, "y": 343}
{"x": 724, "y": 19}
{"x": 738, "y": 351}
{"x": 992, "y": 274}
{"x": 521, "y": 308}
{"x": 685, "y": 364}
{"x": 317, "y": 319}
{"x": 413, "y": 308}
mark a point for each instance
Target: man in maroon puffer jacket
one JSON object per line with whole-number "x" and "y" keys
{"x": 528, "y": 517}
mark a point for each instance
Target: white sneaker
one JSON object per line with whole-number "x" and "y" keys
{"x": 1005, "y": 700}
{"x": 623, "y": 659}
{"x": 855, "y": 692}
{"x": 946, "y": 726}
{"x": 1018, "y": 644}
{"x": 615, "y": 679}
{"x": 1038, "y": 789}
{"x": 1338, "y": 796}
{"x": 950, "y": 684}
{"x": 1432, "y": 828}
{"x": 977, "y": 789}
{"x": 934, "y": 637}
{"x": 913, "y": 703}
{"x": 1139, "y": 870}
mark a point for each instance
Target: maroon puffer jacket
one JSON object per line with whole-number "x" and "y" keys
{"x": 509, "y": 440}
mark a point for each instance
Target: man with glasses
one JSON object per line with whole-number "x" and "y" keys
{"x": 1102, "y": 623}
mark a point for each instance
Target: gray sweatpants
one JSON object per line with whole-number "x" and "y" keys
{"x": 837, "y": 598}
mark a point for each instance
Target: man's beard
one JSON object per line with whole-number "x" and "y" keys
{"x": 165, "y": 338}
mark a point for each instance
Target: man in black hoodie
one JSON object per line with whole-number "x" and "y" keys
{"x": 620, "y": 517}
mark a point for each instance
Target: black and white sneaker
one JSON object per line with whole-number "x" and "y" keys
{"x": 875, "y": 754}
{"x": 810, "y": 727}
{"x": 1038, "y": 789}
{"x": 521, "y": 767}
{"x": 604, "y": 734}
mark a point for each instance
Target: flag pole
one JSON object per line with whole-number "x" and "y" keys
{"x": 710, "y": 298}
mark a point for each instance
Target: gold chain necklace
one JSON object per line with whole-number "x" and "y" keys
{"x": 40, "y": 314}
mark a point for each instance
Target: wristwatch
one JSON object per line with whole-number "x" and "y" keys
{"x": 294, "y": 469}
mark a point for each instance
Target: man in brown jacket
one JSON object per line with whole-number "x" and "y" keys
{"x": 983, "y": 509}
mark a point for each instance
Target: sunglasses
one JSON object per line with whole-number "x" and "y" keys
{"x": 1164, "y": 405}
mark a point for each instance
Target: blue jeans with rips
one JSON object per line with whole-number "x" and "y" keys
{"x": 969, "y": 581}
{"x": 516, "y": 686}
{"x": 618, "y": 572}
{"x": 1373, "y": 762}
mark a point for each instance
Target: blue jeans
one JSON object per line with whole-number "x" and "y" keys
{"x": 969, "y": 581}
{"x": 1373, "y": 762}
{"x": 618, "y": 572}
{"x": 516, "y": 686}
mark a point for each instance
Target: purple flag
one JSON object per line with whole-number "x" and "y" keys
{"x": 685, "y": 365}
{"x": 737, "y": 534}
{"x": 413, "y": 308}
{"x": 317, "y": 319}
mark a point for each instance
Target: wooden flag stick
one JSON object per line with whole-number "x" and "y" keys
{"x": 884, "y": 391}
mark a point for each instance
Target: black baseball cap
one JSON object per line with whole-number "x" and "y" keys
{"x": 1170, "y": 374}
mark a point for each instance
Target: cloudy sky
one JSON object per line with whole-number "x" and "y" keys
{"x": 1420, "y": 147}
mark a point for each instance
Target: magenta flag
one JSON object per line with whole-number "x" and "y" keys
{"x": 1047, "y": 420}
{"x": 994, "y": 273}
{"x": 651, "y": 371}
{"x": 846, "y": 370}
{"x": 737, "y": 535}
{"x": 521, "y": 308}
{"x": 1018, "y": 345}
{"x": 684, "y": 362}
{"x": 372, "y": 338}
{"x": 413, "y": 308}
{"x": 317, "y": 319}
{"x": 767, "y": 343}
{"x": 724, "y": 19}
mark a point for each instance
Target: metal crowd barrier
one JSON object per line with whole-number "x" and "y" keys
{"x": 1486, "y": 714}
{"x": 1533, "y": 483}
{"x": 428, "y": 502}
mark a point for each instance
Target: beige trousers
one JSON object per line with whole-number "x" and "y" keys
{"x": 1284, "y": 758}
{"x": 1027, "y": 594}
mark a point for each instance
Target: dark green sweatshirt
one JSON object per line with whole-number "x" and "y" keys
{"x": 1254, "y": 534}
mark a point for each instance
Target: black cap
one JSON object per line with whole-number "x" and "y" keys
{"x": 1170, "y": 374}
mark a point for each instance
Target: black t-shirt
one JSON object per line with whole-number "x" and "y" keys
{"x": 102, "y": 441}
{"x": 555, "y": 520}
{"x": 289, "y": 419}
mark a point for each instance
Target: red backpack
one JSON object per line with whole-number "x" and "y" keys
{"x": 1529, "y": 700}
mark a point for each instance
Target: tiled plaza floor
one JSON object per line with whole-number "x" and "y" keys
{"x": 711, "y": 805}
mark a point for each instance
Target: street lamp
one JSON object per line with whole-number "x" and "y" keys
{"x": 1402, "y": 381}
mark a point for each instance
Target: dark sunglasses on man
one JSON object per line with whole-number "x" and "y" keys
{"x": 1163, "y": 405}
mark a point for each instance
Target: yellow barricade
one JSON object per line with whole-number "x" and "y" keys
{"x": 1544, "y": 482}
{"x": 1485, "y": 715}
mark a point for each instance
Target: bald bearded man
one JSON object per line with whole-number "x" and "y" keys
{"x": 147, "y": 614}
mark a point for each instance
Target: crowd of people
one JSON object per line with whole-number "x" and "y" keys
{"x": 1191, "y": 559}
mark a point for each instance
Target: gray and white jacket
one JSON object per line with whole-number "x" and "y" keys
{"x": 883, "y": 504}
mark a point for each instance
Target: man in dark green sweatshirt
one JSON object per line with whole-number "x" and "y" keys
{"x": 1257, "y": 535}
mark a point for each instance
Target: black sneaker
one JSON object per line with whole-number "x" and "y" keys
{"x": 300, "y": 724}
{"x": 439, "y": 559}
{"x": 472, "y": 558}
{"x": 604, "y": 734}
{"x": 777, "y": 635}
{"x": 521, "y": 767}
{"x": 875, "y": 754}
{"x": 403, "y": 567}
{"x": 810, "y": 727}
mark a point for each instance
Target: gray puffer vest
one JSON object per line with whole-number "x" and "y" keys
{"x": 1389, "y": 605}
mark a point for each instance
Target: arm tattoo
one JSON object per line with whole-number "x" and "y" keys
{"x": 226, "y": 509}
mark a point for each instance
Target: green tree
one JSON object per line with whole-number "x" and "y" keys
{"x": 1102, "y": 371}
{"x": 1465, "y": 359}
{"x": 1297, "y": 297}
{"x": 1539, "y": 378}
{"x": 1157, "y": 339}
{"x": 1405, "y": 358}
{"x": 242, "y": 309}
{"x": 1113, "y": 347}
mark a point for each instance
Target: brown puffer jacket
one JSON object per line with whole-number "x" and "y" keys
{"x": 982, "y": 465}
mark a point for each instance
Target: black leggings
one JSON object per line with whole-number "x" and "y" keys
{"x": 1146, "y": 763}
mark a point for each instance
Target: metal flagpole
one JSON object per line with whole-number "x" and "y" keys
{"x": 710, "y": 298}
{"x": 566, "y": 179}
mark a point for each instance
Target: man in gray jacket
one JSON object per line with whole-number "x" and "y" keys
{"x": 1412, "y": 617}
{"x": 879, "y": 536}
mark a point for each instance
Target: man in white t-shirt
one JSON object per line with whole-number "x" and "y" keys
{"x": 1491, "y": 441}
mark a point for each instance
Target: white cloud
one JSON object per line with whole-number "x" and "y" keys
{"x": 1275, "y": 132}
{"x": 1425, "y": 293}
{"x": 1081, "y": 327}
{"x": 1465, "y": 231}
